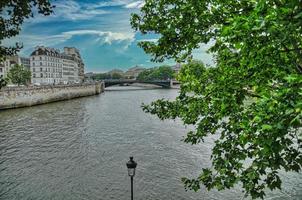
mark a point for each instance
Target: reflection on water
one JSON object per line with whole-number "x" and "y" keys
{"x": 77, "y": 149}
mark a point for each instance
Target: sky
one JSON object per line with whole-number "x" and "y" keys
{"x": 100, "y": 29}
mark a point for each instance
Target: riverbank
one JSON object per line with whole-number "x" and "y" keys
{"x": 17, "y": 97}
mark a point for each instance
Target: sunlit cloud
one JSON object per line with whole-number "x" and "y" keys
{"x": 107, "y": 3}
{"x": 136, "y": 4}
{"x": 147, "y": 40}
{"x": 68, "y": 10}
{"x": 104, "y": 37}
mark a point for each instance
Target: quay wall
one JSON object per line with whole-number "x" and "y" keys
{"x": 17, "y": 97}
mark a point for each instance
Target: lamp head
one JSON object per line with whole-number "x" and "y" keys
{"x": 131, "y": 165}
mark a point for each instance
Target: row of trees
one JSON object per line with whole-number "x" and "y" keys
{"x": 157, "y": 73}
{"x": 104, "y": 76}
{"x": 18, "y": 75}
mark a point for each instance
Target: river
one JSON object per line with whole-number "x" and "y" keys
{"x": 77, "y": 149}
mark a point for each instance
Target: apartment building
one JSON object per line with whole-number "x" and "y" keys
{"x": 70, "y": 69}
{"x": 46, "y": 65}
{"x": 75, "y": 54}
{"x": 50, "y": 66}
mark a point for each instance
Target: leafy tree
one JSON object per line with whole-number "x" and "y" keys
{"x": 164, "y": 73}
{"x": 103, "y": 76}
{"x": 158, "y": 73}
{"x": 251, "y": 99}
{"x": 116, "y": 76}
{"x": 145, "y": 75}
{"x": 13, "y": 14}
{"x": 19, "y": 75}
{"x": 3, "y": 82}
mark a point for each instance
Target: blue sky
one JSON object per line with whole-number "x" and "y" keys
{"x": 100, "y": 29}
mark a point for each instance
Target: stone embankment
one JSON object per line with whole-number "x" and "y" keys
{"x": 17, "y": 97}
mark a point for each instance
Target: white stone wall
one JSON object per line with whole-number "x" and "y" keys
{"x": 28, "y": 96}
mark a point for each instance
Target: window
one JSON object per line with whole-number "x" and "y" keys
{"x": 0, "y": 69}
{"x": 33, "y": 58}
{"x": 33, "y": 64}
{"x": 41, "y": 75}
{"x": 34, "y": 75}
{"x": 40, "y": 63}
{"x": 34, "y": 69}
{"x": 40, "y": 58}
{"x": 40, "y": 69}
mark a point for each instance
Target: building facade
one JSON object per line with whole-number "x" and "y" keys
{"x": 75, "y": 54}
{"x": 46, "y": 66}
{"x": 70, "y": 69}
{"x": 11, "y": 61}
{"x": 50, "y": 66}
{"x": 133, "y": 72}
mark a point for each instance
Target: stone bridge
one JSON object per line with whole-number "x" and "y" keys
{"x": 162, "y": 83}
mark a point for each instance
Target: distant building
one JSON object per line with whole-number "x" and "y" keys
{"x": 46, "y": 65}
{"x": 116, "y": 71}
{"x": 75, "y": 53}
{"x": 176, "y": 68}
{"x": 89, "y": 75}
{"x": 25, "y": 62}
{"x": 70, "y": 69}
{"x": 49, "y": 66}
{"x": 134, "y": 72}
{"x": 11, "y": 61}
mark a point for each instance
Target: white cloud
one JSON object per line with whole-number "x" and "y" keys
{"x": 107, "y": 4}
{"x": 103, "y": 36}
{"x": 69, "y": 10}
{"x": 135, "y": 4}
{"x": 124, "y": 3}
{"x": 147, "y": 40}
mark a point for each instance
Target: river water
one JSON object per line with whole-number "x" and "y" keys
{"x": 77, "y": 149}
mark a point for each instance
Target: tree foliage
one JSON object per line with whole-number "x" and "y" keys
{"x": 116, "y": 76}
{"x": 157, "y": 73}
{"x": 3, "y": 82}
{"x": 104, "y": 76}
{"x": 19, "y": 75}
{"x": 13, "y": 14}
{"x": 252, "y": 98}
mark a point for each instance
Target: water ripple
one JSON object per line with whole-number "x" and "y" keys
{"x": 77, "y": 150}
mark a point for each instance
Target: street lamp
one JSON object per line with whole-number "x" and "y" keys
{"x": 131, "y": 165}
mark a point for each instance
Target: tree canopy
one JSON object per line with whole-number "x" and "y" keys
{"x": 157, "y": 73}
{"x": 19, "y": 75}
{"x": 13, "y": 14}
{"x": 251, "y": 98}
{"x": 103, "y": 76}
{"x": 3, "y": 82}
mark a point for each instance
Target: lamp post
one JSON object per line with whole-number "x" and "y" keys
{"x": 131, "y": 165}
